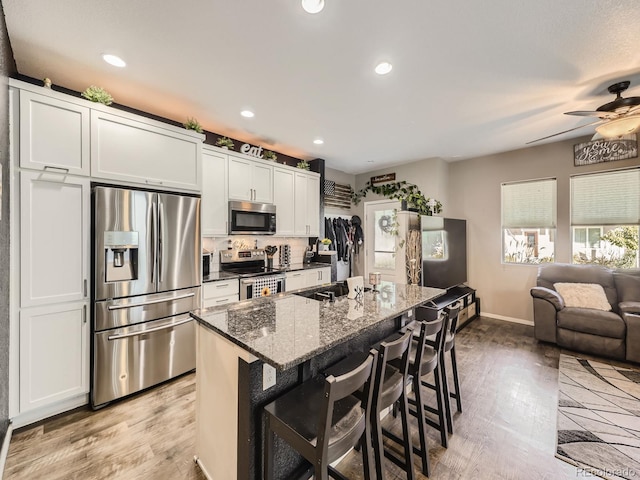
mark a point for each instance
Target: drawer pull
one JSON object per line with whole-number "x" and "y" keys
{"x": 149, "y": 330}
{"x": 150, "y": 302}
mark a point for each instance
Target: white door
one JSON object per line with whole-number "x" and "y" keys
{"x": 240, "y": 186}
{"x": 54, "y": 238}
{"x": 54, "y": 135}
{"x": 313, "y": 205}
{"x": 284, "y": 200}
{"x": 301, "y": 198}
{"x": 381, "y": 234}
{"x": 54, "y": 354}
{"x": 262, "y": 180}
{"x": 214, "y": 205}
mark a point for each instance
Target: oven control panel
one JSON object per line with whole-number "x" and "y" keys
{"x": 233, "y": 256}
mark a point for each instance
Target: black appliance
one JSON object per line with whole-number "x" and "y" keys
{"x": 247, "y": 218}
{"x": 444, "y": 251}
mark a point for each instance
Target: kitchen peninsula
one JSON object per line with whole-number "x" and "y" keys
{"x": 251, "y": 352}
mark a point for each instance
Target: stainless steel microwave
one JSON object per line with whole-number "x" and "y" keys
{"x": 247, "y": 218}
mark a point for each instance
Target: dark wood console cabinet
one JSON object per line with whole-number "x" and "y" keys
{"x": 469, "y": 304}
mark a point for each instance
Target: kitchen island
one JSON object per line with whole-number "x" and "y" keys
{"x": 251, "y": 352}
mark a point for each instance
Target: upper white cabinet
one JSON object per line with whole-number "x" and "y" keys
{"x": 307, "y": 204}
{"x": 214, "y": 211}
{"x": 284, "y": 200}
{"x": 54, "y": 135}
{"x": 126, "y": 149}
{"x": 54, "y": 238}
{"x": 250, "y": 180}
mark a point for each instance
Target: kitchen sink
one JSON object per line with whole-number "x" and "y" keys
{"x": 335, "y": 290}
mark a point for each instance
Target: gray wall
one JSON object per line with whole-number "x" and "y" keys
{"x": 7, "y": 67}
{"x": 470, "y": 189}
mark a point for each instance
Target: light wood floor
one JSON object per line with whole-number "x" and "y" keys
{"x": 507, "y": 429}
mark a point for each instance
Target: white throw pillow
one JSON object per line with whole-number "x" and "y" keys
{"x": 583, "y": 295}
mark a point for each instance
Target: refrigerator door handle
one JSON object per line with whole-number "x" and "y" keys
{"x": 154, "y": 222}
{"x": 160, "y": 244}
{"x": 150, "y": 302}
{"x": 149, "y": 330}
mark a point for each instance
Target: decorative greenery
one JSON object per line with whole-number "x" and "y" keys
{"x": 225, "y": 142}
{"x": 619, "y": 249}
{"x": 98, "y": 94}
{"x": 325, "y": 241}
{"x": 269, "y": 155}
{"x": 401, "y": 191}
{"x": 47, "y": 82}
{"x": 193, "y": 124}
{"x": 303, "y": 165}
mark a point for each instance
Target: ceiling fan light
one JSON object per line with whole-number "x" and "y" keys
{"x": 619, "y": 126}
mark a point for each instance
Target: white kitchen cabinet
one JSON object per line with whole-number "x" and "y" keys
{"x": 318, "y": 276}
{"x": 220, "y": 292}
{"x": 250, "y": 180}
{"x": 313, "y": 277}
{"x": 144, "y": 151}
{"x": 54, "y": 134}
{"x": 54, "y": 354}
{"x": 284, "y": 200}
{"x": 307, "y": 204}
{"x": 54, "y": 238}
{"x": 215, "y": 199}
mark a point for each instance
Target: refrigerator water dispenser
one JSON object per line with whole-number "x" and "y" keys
{"x": 121, "y": 256}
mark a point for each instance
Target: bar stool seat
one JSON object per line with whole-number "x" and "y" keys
{"x": 322, "y": 420}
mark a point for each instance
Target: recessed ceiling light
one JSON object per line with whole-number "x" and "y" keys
{"x": 318, "y": 141}
{"x": 247, "y": 113}
{"x": 313, "y": 6}
{"x": 383, "y": 68}
{"x": 114, "y": 60}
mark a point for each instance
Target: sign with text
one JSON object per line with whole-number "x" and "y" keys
{"x": 599, "y": 151}
{"x": 387, "y": 177}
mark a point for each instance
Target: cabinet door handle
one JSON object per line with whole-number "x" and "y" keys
{"x": 51, "y": 167}
{"x": 224, "y": 300}
{"x": 222, "y": 285}
{"x": 152, "y": 182}
{"x": 84, "y": 314}
{"x": 84, "y": 288}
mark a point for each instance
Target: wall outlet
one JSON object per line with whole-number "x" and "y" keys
{"x": 268, "y": 376}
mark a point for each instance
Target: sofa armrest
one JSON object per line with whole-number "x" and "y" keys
{"x": 549, "y": 295}
{"x": 629, "y": 307}
{"x": 633, "y": 336}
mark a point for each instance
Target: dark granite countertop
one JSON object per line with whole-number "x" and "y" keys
{"x": 305, "y": 266}
{"x": 285, "y": 330}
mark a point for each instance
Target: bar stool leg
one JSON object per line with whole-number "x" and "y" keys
{"x": 422, "y": 425}
{"x": 456, "y": 381}
{"x": 268, "y": 451}
{"x": 378, "y": 447}
{"x": 406, "y": 437}
{"x": 445, "y": 391}
{"x": 367, "y": 454}
{"x": 441, "y": 408}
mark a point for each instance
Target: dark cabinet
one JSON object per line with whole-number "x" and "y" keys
{"x": 466, "y": 296}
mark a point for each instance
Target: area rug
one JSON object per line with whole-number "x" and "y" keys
{"x": 599, "y": 417}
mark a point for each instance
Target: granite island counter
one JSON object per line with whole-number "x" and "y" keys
{"x": 251, "y": 352}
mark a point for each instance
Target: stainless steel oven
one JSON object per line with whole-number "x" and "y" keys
{"x": 261, "y": 286}
{"x": 247, "y": 218}
{"x": 256, "y": 278}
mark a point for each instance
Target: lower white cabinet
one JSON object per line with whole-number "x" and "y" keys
{"x": 307, "y": 278}
{"x": 54, "y": 354}
{"x": 220, "y": 292}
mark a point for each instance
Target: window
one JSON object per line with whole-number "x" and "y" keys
{"x": 529, "y": 221}
{"x": 605, "y": 215}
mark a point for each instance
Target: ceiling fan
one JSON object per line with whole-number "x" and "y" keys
{"x": 616, "y": 118}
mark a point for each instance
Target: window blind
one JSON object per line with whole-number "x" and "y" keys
{"x": 611, "y": 198}
{"x": 529, "y": 204}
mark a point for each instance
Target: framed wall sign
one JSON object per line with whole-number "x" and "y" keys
{"x": 387, "y": 177}
{"x": 599, "y": 151}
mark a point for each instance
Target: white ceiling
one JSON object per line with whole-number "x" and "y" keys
{"x": 469, "y": 78}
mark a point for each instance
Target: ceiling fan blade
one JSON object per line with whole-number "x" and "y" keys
{"x": 566, "y": 131}
{"x": 594, "y": 113}
{"x": 635, "y": 109}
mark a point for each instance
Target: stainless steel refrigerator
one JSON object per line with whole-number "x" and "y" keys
{"x": 147, "y": 275}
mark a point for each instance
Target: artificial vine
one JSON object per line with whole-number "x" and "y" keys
{"x": 401, "y": 191}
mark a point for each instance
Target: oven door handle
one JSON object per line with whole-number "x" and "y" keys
{"x": 149, "y": 330}
{"x": 150, "y": 302}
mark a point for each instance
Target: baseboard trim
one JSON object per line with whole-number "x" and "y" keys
{"x": 5, "y": 449}
{"x": 41, "y": 413}
{"x": 521, "y": 321}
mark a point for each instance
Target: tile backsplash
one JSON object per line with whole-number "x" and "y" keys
{"x": 217, "y": 244}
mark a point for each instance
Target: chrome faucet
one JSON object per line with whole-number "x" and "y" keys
{"x": 330, "y": 295}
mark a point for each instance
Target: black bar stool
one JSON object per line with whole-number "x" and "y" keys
{"x": 389, "y": 388}
{"x": 322, "y": 420}
{"x": 424, "y": 359}
{"x": 450, "y": 346}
